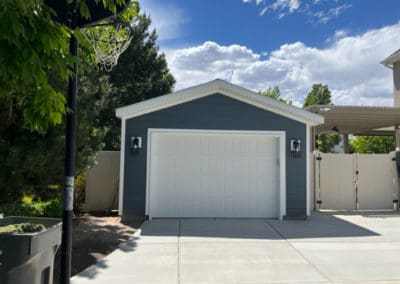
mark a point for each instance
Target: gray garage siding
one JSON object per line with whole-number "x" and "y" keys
{"x": 212, "y": 112}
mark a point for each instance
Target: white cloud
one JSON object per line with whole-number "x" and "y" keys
{"x": 324, "y": 17}
{"x": 310, "y": 9}
{"x": 349, "y": 65}
{"x": 339, "y": 34}
{"x": 168, "y": 27}
{"x": 285, "y": 6}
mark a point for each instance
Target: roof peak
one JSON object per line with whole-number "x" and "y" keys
{"x": 224, "y": 88}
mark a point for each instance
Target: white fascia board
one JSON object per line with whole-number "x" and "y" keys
{"x": 224, "y": 88}
{"x": 388, "y": 62}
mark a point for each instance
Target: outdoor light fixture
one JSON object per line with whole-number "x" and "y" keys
{"x": 295, "y": 148}
{"x": 136, "y": 142}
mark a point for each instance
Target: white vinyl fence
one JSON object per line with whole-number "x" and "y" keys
{"x": 355, "y": 181}
{"x": 102, "y": 182}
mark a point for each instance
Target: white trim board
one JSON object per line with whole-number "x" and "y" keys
{"x": 281, "y": 135}
{"x": 224, "y": 88}
{"x": 307, "y": 152}
{"x": 121, "y": 169}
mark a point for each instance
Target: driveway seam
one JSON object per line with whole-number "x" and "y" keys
{"x": 179, "y": 252}
{"x": 291, "y": 245}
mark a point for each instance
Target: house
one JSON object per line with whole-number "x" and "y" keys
{"x": 215, "y": 150}
{"x": 393, "y": 62}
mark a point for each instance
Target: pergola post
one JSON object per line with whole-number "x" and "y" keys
{"x": 397, "y": 137}
{"x": 346, "y": 147}
{"x": 312, "y": 139}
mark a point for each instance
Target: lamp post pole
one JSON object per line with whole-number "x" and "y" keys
{"x": 66, "y": 14}
{"x": 69, "y": 164}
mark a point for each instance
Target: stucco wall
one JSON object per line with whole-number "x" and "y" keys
{"x": 396, "y": 83}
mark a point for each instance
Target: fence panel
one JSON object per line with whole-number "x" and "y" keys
{"x": 376, "y": 187}
{"x": 102, "y": 182}
{"x": 336, "y": 181}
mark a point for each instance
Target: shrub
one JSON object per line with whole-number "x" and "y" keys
{"x": 79, "y": 194}
{"x": 51, "y": 208}
{"x": 22, "y": 228}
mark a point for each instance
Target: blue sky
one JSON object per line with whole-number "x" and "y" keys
{"x": 290, "y": 43}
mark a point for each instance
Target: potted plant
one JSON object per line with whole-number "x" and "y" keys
{"x": 27, "y": 249}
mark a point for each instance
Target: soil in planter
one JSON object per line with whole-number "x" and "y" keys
{"x": 21, "y": 228}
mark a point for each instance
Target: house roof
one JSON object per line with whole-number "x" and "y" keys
{"x": 394, "y": 57}
{"x": 224, "y": 88}
{"x": 361, "y": 120}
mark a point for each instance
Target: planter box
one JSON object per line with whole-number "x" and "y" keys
{"x": 29, "y": 257}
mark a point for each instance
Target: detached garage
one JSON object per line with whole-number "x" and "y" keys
{"x": 215, "y": 150}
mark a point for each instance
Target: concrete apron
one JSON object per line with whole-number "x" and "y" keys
{"x": 323, "y": 249}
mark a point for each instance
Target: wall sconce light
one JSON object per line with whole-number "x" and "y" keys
{"x": 295, "y": 148}
{"x": 136, "y": 142}
{"x": 335, "y": 129}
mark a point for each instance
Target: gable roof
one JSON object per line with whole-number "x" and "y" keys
{"x": 394, "y": 57}
{"x": 221, "y": 87}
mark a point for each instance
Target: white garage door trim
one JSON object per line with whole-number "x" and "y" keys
{"x": 282, "y": 157}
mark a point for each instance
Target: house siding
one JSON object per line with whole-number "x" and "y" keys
{"x": 214, "y": 112}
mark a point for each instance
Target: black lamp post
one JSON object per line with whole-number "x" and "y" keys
{"x": 69, "y": 167}
{"x": 68, "y": 15}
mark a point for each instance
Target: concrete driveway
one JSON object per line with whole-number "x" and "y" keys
{"x": 327, "y": 248}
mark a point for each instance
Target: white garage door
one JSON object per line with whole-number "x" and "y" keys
{"x": 213, "y": 174}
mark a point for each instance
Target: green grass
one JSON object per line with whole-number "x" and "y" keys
{"x": 22, "y": 228}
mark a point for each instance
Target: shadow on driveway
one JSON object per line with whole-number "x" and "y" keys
{"x": 156, "y": 244}
{"x": 318, "y": 225}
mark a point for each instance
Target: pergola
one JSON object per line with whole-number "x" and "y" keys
{"x": 358, "y": 120}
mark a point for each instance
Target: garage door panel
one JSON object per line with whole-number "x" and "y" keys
{"x": 203, "y": 175}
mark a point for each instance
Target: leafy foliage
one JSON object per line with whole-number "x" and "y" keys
{"x": 275, "y": 93}
{"x": 22, "y": 228}
{"x": 51, "y": 208}
{"x": 320, "y": 95}
{"x": 325, "y": 143}
{"x": 32, "y": 45}
{"x": 32, "y": 162}
{"x": 373, "y": 144}
{"x": 142, "y": 73}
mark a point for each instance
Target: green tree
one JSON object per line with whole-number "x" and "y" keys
{"x": 31, "y": 162}
{"x": 31, "y": 45}
{"x": 274, "y": 93}
{"x": 142, "y": 73}
{"x": 320, "y": 95}
{"x": 372, "y": 144}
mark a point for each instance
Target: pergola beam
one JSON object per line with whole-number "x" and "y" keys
{"x": 357, "y": 120}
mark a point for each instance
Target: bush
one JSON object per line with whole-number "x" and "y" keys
{"x": 79, "y": 194}
{"x": 51, "y": 208}
{"x": 22, "y": 228}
